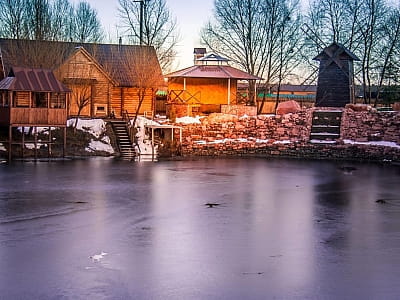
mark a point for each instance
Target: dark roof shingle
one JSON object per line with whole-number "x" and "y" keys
{"x": 50, "y": 55}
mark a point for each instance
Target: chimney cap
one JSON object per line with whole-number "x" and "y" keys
{"x": 200, "y": 51}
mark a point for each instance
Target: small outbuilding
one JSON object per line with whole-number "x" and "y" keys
{"x": 336, "y": 76}
{"x": 207, "y": 85}
{"x": 32, "y": 98}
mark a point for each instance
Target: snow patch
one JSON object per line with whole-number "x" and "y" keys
{"x": 32, "y": 146}
{"x": 100, "y": 146}
{"x": 224, "y": 141}
{"x": 2, "y": 148}
{"x": 373, "y": 143}
{"x": 143, "y": 145}
{"x": 260, "y": 141}
{"x": 39, "y": 130}
{"x": 95, "y": 127}
{"x": 97, "y": 257}
{"x": 283, "y": 142}
{"x": 314, "y": 141}
{"x": 189, "y": 120}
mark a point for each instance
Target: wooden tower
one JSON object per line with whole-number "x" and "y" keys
{"x": 336, "y": 77}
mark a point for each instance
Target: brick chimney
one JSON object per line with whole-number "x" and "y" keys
{"x": 198, "y": 53}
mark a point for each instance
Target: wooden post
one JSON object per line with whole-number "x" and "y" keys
{"x": 35, "y": 141}
{"x": 152, "y": 144}
{"x": 65, "y": 142}
{"x": 49, "y": 145}
{"x": 23, "y": 141}
{"x": 9, "y": 143}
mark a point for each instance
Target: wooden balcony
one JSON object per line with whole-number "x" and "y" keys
{"x": 21, "y": 116}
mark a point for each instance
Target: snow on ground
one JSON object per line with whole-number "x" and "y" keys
{"x": 283, "y": 142}
{"x": 143, "y": 140}
{"x": 44, "y": 130}
{"x": 97, "y": 128}
{"x": 373, "y": 143}
{"x": 94, "y": 126}
{"x": 189, "y": 120}
{"x": 224, "y": 141}
{"x": 2, "y": 148}
{"x": 100, "y": 146}
{"x": 32, "y": 146}
{"x": 315, "y": 141}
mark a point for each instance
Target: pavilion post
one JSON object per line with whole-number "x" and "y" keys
{"x": 152, "y": 144}
{"x": 229, "y": 91}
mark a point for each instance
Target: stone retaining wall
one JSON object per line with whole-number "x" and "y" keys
{"x": 365, "y": 126}
{"x": 288, "y": 136}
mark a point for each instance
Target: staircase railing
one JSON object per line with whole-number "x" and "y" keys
{"x": 127, "y": 117}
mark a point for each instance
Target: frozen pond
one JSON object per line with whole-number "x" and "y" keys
{"x": 283, "y": 229}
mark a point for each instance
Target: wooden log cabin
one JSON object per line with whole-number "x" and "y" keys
{"x": 210, "y": 83}
{"x": 32, "y": 98}
{"x": 106, "y": 80}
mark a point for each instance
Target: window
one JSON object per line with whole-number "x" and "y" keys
{"x": 57, "y": 100}
{"x": 39, "y": 99}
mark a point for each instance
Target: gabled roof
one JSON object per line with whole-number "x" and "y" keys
{"x": 33, "y": 80}
{"x": 213, "y": 57}
{"x": 218, "y": 71}
{"x": 336, "y": 50}
{"x": 50, "y": 55}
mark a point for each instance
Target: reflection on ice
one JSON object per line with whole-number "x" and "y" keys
{"x": 206, "y": 229}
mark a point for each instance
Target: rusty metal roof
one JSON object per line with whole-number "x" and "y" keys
{"x": 213, "y": 71}
{"x": 34, "y": 80}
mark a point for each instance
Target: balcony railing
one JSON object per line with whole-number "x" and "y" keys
{"x": 33, "y": 116}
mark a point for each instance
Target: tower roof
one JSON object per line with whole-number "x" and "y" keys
{"x": 336, "y": 51}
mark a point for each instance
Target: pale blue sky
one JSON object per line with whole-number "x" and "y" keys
{"x": 191, "y": 15}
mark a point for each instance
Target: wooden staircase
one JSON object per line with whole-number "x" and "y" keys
{"x": 325, "y": 126}
{"x": 124, "y": 142}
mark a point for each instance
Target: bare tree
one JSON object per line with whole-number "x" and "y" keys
{"x": 60, "y": 16}
{"x": 12, "y": 18}
{"x": 144, "y": 69}
{"x": 260, "y": 36}
{"x": 34, "y": 53}
{"x": 369, "y": 26}
{"x": 50, "y": 20}
{"x": 81, "y": 95}
{"x": 86, "y": 25}
{"x": 365, "y": 27}
{"x": 78, "y": 73}
{"x": 159, "y": 28}
{"x": 37, "y": 20}
{"x": 391, "y": 49}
